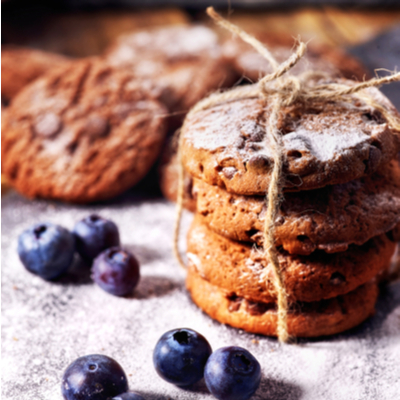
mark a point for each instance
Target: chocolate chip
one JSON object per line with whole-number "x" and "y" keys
{"x": 234, "y": 303}
{"x": 97, "y": 126}
{"x": 229, "y": 172}
{"x": 303, "y": 238}
{"x": 258, "y": 162}
{"x": 259, "y": 308}
{"x": 257, "y": 136}
{"x": 294, "y": 154}
{"x": 48, "y": 124}
{"x": 337, "y": 279}
{"x": 240, "y": 142}
{"x": 251, "y": 232}
{"x": 253, "y": 146}
{"x": 374, "y": 159}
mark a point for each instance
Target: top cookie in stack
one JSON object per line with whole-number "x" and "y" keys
{"x": 341, "y": 195}
{"x": 325, "y": 143}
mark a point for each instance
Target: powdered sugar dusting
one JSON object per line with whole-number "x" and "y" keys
{"x": 170, "y": 43}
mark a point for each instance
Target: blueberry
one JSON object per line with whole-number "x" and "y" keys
{"x": 93, "y": 235}
{"x": 129, "y": 396}
{"x": 93, "y": 377}
{"x": 232, "y": 373}
{"x": 46, "y": 250}
{"x": 180, "y": 356}
{"x": 116, "y": 271}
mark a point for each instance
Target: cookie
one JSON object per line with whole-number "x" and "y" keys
{"x": 320, "y": 318}
{"x": 319, "y": 57}
{"x": 169, "y": 176}
{"x": 324, "y": 143}
{"x": 84, "y": 133}
{"x": 239, "y": 267}
{"x": 20, "y": 66}
{"x": 184, "y": 62}
{"x": 329, "y": 219}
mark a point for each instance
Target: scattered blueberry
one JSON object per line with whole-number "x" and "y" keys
{"x": 93, "y": 377}
{"x": 46, "y": 250}
{"x": 95, "y": 234}
{"x": 116, "y": 271}
{"x": 232, "y": 373}
{"x": 129, "y": 396}
{"x": 180, "y": 356}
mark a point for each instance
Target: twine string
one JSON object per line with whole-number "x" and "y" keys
{"x": 273, "y": 200}
{"x": 279, "y": 89}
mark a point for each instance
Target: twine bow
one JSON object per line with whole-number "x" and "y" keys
{"x": 285, "y": 90}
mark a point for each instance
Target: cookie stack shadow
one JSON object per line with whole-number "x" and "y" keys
{"x": 334, "y": 229}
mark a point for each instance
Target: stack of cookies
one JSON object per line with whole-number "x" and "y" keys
{"x": 333, "y": 233}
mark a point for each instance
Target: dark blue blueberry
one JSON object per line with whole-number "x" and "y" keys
{"x": 129, "y": 396}
{"x": 116, "y": 271}
{"x": 93, "y": 377}
{"x": 93, "y": 235}
{"x": 232, "y": 373}
{"x": 180, "y": 356}
{"x": 46, "y": 250}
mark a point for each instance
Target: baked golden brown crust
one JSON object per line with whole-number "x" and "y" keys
{"x": 326, "y": 317}
{"x": 324, "y": 143}
{"x": 240, "y": 268}
{"x": 20, "y": 66}
{"x": 84, "y": 132}
{"x": 329, "y": 219}
{"x": 185, "y": 63}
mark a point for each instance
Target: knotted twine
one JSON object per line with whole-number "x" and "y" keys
{"x": 286, "y": 90}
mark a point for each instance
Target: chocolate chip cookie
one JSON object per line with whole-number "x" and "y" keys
{"x": 329, "y": 219}
{"x": 83, "y": 133}
{"x": 321, "y": 318}
{"x": 324, "y": 143}
{"x": 185, "y": 63}
{"x": 240, "y": 268}
{"x": 19, "y": 66}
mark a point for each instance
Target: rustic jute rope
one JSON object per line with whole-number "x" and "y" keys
{"x": 284, "y": 91}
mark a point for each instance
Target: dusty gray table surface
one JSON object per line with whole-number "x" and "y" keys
{"x": 47, "y": 325}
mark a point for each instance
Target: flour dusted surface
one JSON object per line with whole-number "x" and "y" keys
{"x": 45, "y": 325}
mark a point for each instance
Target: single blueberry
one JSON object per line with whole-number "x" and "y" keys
{"x": 129, "y": 396}
{"x": 180, "y": 356}
{"x": 232, "y": 373}
{"x": 46, "y": 250}
{"x": 93, "y": 377}
{"x": 116, "y": 271}
{"x": 93, "y": 235}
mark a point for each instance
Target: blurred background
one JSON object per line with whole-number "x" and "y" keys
{"x": 369, "y": 29}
